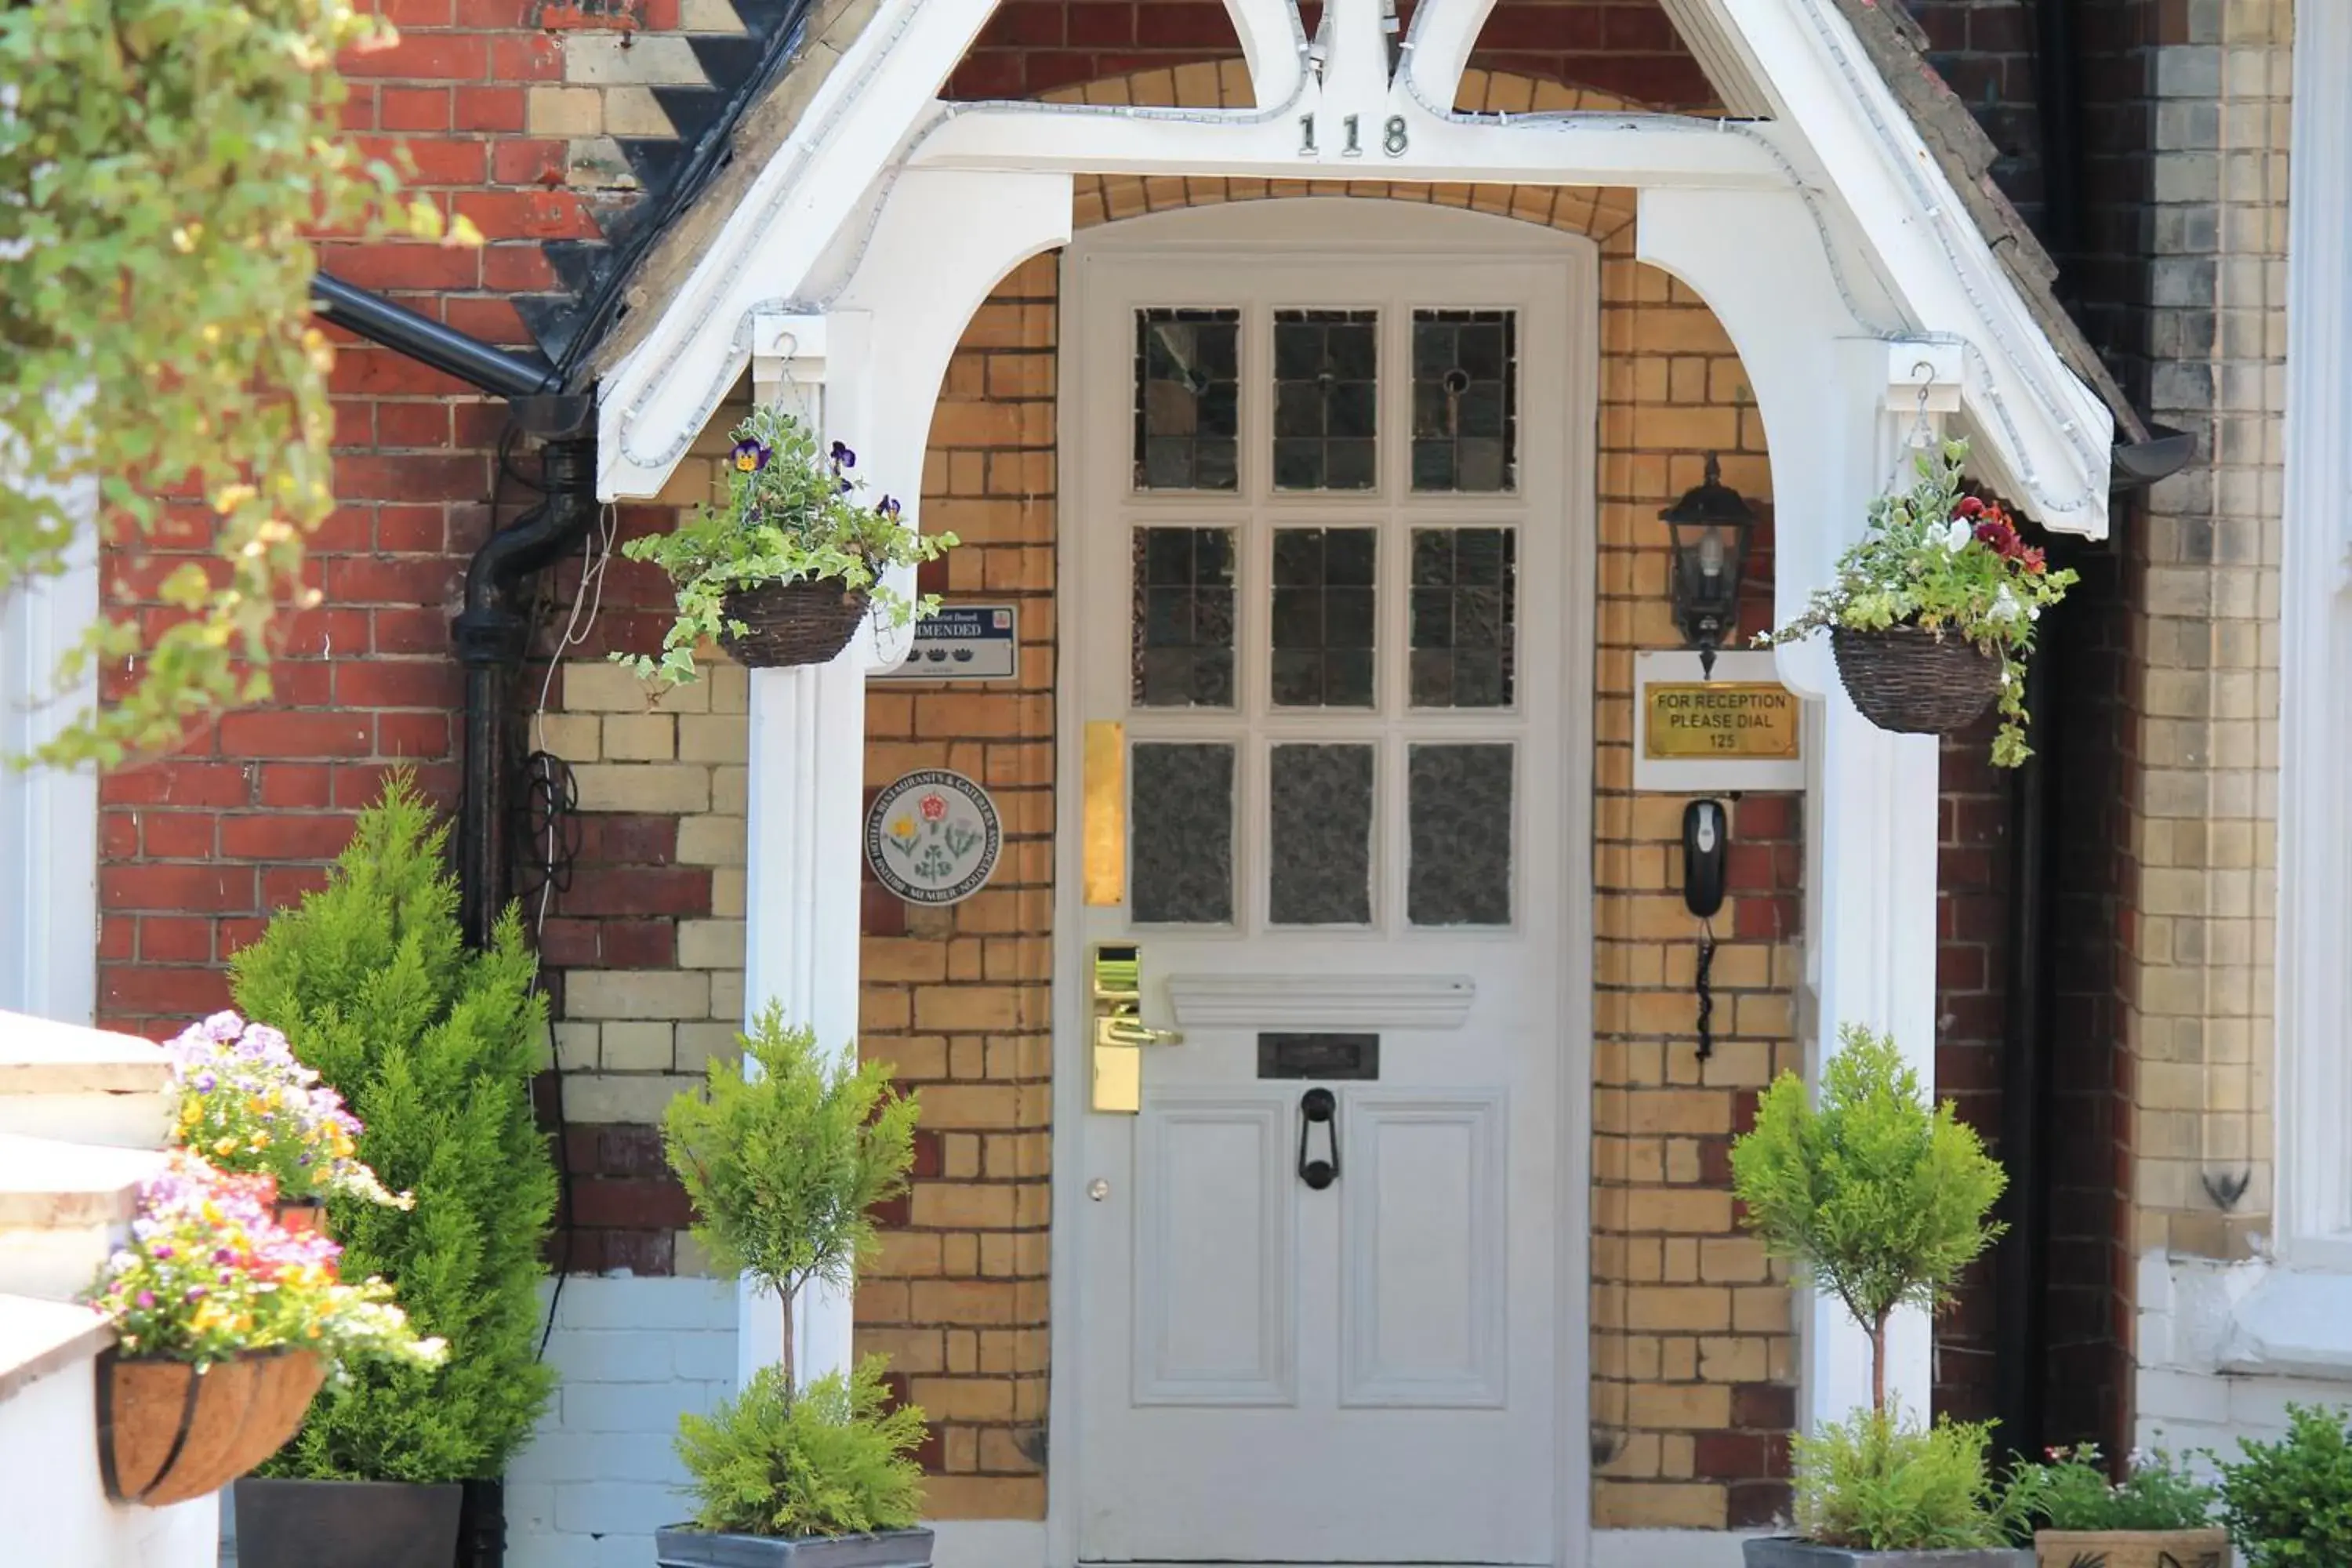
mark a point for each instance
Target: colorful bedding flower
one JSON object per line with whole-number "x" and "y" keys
{"x": 250, "y": 1107}
{"x": 208, "y": 1274}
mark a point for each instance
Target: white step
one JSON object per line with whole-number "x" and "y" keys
{"x": 89, "y": 1086}
{"x": 63, "y": 1207}
{"x": 38, "y": 1337}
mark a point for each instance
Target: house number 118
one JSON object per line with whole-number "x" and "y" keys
{"x": 1394, "y": 137}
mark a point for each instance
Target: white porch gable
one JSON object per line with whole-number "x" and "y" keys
{"x": 1828, "y": 239}
{"x": 1904, "y": 259}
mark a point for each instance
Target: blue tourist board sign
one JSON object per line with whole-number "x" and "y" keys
{"x": 962, "y": 642}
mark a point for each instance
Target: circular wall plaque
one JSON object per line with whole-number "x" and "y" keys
{"x": 933, "y": 837}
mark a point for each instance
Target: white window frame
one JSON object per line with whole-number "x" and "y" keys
{"x": 2312, "y": 1043}
{"x": 48, "y": 818}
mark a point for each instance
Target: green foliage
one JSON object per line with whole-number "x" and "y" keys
{"x": 2288, "y": 1504}
{"x": 785, "y": 1154}
{"x": 433, "y": 1047}
{"x": 1941, "y": 559}
{"x": 828, "y": 1461}
{"x": 784, "y": 1163}
{"x": 1877, "y": 1484}
{"x": 163, "y": 159}
{"x": 790, "y": 515}
{"x": 1882, "y": 1200}
{"x": 2072, "y": 1492}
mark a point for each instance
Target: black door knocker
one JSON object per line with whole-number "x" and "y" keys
{"x": 1319, "y": 1106}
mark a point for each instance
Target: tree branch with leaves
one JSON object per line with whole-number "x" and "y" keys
{"x": 786, "y": 1162}
{"x": 162, "y": 163}
{"x": 1881, "y": 1199}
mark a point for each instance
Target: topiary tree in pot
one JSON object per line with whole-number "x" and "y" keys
{"x": 1881, "y": 1201}
{"x": 433, "y": 1047}
{"x": 785, "y": 1154}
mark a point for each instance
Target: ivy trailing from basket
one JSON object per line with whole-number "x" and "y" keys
{"x": 793, "y": 514}
{"x": 1951, "y": 563}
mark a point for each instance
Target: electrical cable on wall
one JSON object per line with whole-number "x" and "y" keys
{"x": 550, "y": 807}
{"x": 1706, "y": 990}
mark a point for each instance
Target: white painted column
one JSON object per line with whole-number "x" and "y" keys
{"x": 48, "y": 818}
{"x": 1871, "y": 807}
{"x": 867, "y": 373}
{"x": 807, "y": 749}
{"x": 1826, "y": 390}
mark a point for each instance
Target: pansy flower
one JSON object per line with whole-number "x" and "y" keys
{"x": 843, "y": 457}
{"x": 889, "y": 508}
{"x": 749, "y": 456}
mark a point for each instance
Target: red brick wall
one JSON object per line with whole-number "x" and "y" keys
{"x": 1627, "y": 48}
{"x": 197, "y": 848}
{"x": 1973, "y": 879}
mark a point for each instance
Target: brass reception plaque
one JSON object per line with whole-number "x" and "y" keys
{"x": 1721, "y": 718}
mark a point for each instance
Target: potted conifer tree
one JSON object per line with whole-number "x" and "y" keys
{"x": 1882, "y": 1202}
{"x": 433, "y": 1046}
{"x": 785, "y": 1156}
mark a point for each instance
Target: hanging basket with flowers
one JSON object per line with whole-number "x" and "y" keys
{"x": 247, "y": 1106}
{"x": 782, "y": 574}
{"x": 1931, "y": 616}
{"x": 226, "y": 1325}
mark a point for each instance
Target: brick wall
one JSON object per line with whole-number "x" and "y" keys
{"x": 1625, "y": 47}
{"x": 600, "y": 1474}
{"x": 1973, "y": 876}
{"x": 1985, "y": 50}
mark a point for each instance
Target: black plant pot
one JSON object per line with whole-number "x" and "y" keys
{"x": 1786, "y": 1551}
{"x": 679, "y": 1547}
{"x": 346, "y": 1524}
{"x": 482, "y": 1525}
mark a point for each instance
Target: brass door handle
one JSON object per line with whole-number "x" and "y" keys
{"x": 1121, "y": 1030}
{"x": 1116, "y": 995}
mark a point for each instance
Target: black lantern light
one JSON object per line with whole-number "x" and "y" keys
{"x": 1710, "y": 526}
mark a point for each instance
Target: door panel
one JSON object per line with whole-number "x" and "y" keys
{"x": 1421, "y": 1323}
{"x": 1212, "y": 1297}
{"x": 1317, "y": 544}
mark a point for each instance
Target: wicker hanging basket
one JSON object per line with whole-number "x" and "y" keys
{"x": 805, "y": 622}
{"x": 167, "y": 1432}
{"x": 1913, "y": 681}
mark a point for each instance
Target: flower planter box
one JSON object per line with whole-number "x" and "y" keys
{"x": 1914, "y": 682}
{"x": 678, "y": 1547}
{"x": 346, "y": 1524}
{"x": 306, "y": 1216}
{"x": 2132, "y": 1548}
{"x": 1787, "y": 1551}
{"x": 167, "y": 1432}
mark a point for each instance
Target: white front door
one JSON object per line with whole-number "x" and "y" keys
{"x": 1315, "y": 628}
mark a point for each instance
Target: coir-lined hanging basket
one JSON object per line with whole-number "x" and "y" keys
{"x": 1913, "y": 681}
{"x": 787, "y": 623}
{"x": 167, "y": 1432}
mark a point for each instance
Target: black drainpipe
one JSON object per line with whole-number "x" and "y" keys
{"x": 489, "y": 633}
{"x": 2058, "y": 106}
{"x": 2020, "y": 1306}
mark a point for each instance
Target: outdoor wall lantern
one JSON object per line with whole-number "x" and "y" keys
{"x": 1710, "y": 526}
